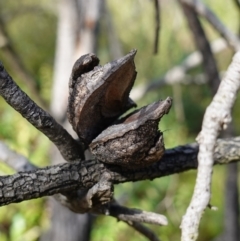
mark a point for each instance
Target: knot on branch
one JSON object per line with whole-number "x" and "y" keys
{"x": 92, "y": 199}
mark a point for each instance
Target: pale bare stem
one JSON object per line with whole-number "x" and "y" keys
{"x": 135, "y": 215}
{"x": 216, "y": 118}
{"x": 18, "y": 162}
{"x": 205, "y": 12}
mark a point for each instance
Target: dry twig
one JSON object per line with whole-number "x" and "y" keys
{"x": 157, "y": 27}
{"x": 202, "y": 10}
{"x": 203, "y": 45}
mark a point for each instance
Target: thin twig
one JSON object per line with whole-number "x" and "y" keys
{"x": 11, "y": 54}
{"x": 135, "y": 215}
{"x": 44, "y": 122}
{"x": 147, "y": 232}
{"x": 202, "y": 10}
{"x": 203, "y": 45}
{"x": 157, "y": 25}
{"x": 216, "y": 118}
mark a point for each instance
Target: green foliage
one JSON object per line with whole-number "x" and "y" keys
{"x": 32, "y": 28}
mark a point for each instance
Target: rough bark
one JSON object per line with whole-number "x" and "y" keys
{"x": 79, "y": 175}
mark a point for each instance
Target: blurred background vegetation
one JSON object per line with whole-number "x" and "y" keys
{"x": 31, "y": 28}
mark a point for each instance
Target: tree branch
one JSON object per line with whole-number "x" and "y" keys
{"x": 44, "y": 122}
{"x": 157, "y": 25}
{"x": 205, "y": 12}
{"x": 79, "y": 175}
{"x": 203, "y": 45}
{"x": 216, "y": 118}
{"x": 135, "y": 215}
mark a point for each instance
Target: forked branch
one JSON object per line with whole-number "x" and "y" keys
{"x": 40, "y": 119}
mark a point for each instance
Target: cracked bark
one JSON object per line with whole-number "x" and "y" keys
{"x": 78, "y": 175}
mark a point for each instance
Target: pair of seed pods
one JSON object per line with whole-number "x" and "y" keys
{"x": 98, "y": 96}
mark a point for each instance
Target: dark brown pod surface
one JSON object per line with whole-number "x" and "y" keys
{"x": 136, "y": 142}
{"x": 83, "y": 65}
{"x": 100, "y": 96}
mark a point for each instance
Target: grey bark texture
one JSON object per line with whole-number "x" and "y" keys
{"x": 79, "y": 175}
